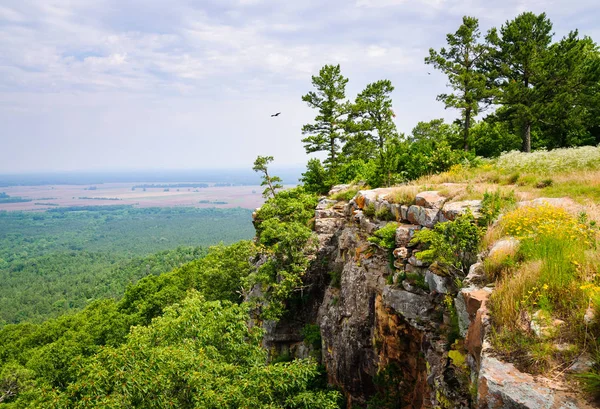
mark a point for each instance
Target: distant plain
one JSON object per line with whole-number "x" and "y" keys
{"x": 44, "y": 197}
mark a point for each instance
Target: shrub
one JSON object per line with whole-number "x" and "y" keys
{"x": 369, "y": 210}
{"x": 312, "y": 335}
{"x": 544, "y": 183}
{"x": 336, "y": 279}
{"x": 452, "y": 243}
{"x": 384, "y": 214}
{"x": 492, "y": 204}
{"x": 345, "y": 195}
{"x": 385, "y": 237}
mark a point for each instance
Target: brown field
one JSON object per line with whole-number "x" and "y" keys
{"x": 68, "y": 195}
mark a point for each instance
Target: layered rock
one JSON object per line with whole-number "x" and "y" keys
{"x": 392, "y": 313}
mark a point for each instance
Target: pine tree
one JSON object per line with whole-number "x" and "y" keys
{"x": 516, "y": 64}
{"x": 372, "y": 126}
{"x": 272, "y": 182}
{"x": 462, "y": 62}
{"x": 327, "y": 131}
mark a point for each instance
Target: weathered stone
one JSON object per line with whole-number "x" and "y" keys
{"x": 404, "y": 213}
{"x": 328, "y": 226}
{"x": 430, "y": 199}
{"x": 399, "y": 263}
{"x": 564, "y": 202}
{"x": 395, "y": 209}
{"x": 416, "y": 262}
{"x": 501, "y": 385}
{"x": 412, "y": 288}
{"x": 450, "y": 211}
{"x": 409, "y": 268}
{"x": 338, "y": 188}
{"x": 502, "y": 248}
{"x": 405, "y": 233}
{"x": 590, "y": 316}
{"x": 463, "y": 316}
{"x": 325, "y": 204}
{"x": 401, "y": 252}
{"x": 328, "y": 214}
{"x": 422, "y": 216}
{"x": 582, "y": 364}
{"x": 368, "y": 226}
{"x": 543, "y": 325}
{"x": 409, "y": 305}
{"x": 439, "y": 284}
{"x": 476, "y": 275}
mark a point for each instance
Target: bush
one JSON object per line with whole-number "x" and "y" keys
{"x": 369, "y": 210}
{"x": 451, "y": 243}
{"x": 312, "y": 335}
{"x": 492, "y": 204}
{"x": 345, "y": 195}
{"x": 550, "y": 162}
{"x": 384, "y": 214}
{"x": 385, "y": 237}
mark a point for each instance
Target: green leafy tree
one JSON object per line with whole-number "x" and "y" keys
{"x": 315, "y": 179}
{"x": 569, "y": 86}
{"x": 516, "y": 65}
{"x": 199, "y": 354}
{"x": 462, "y": 62}
{"x": 327, "y": 132}
{"x": 271, "y": 182}
{"x": 372, "y": 125}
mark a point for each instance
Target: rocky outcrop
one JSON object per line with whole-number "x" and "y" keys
{"x": 394, "y": 326}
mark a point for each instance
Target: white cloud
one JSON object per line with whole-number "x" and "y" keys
{"x": 146, "y": 57}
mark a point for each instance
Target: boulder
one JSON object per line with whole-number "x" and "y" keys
{"x": 338, "y": 188}
{"x": 501, "y": 385}
{"x": 416, "y": 262}
{"x": 401, "y": 252}
{"x": 439, "y": 284}
{"x": 405, "y": 233}
{"x": 430, "y": 199}
{"x": 325, "y": 204}
{"x": 450, "y": 211}
{"x": 422, "y": 216}
{"x": 404, "y": 213}
{"x": 503, "y": 247}
{"x": 409, "y": 305}
{"x": 328, "y": 226}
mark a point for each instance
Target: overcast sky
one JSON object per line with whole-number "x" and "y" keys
{"x": 141, "y": 84}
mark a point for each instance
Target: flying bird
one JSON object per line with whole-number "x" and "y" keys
{"x": 277, "y": 114}
{"x": 428, "y": 73}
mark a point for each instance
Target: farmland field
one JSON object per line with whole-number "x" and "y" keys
{"x": 45, "y": 197}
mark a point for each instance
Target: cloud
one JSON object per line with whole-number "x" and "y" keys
{"x": 72, "y": 60}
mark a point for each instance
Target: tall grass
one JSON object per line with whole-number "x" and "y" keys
{"x": 549, "y": 162}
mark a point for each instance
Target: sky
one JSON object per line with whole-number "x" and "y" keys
{"x": 181, "y": 84}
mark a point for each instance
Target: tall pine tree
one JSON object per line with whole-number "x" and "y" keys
{"x": 520, "y": 49}
{"x": 462, "y": 62}
{"x": 326, "y": 133}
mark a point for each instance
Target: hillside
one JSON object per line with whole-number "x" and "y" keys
{"x": 472, "y": 288}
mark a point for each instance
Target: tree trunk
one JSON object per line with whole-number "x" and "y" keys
{"x": 466, "y": 130}
{"x": 527, "y": 137}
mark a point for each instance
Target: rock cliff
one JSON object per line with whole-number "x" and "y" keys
{"x": 396, "y": 331}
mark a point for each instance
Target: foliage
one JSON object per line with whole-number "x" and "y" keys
{"x": 385, "y": 237}
{"x": 199, "y": 354}
{"x": 462, "y": 62}
{"x": 494, "y": 203}
{"x": 345, "y": 195}
{"x": 328, "y": 130}
{"x": 312, "y": 335}
{"x": 271, "y": 182}
{"x": 554, "y": 277}
{"x": 283, "y": 229}
{"x": 519, "y": 50}
{"x": 55, "y": 262}
{"x": 315, "y": 179}
{"x": 452, "y": 243}
{"x": 336, "y": 278}
{"x": 371, "y": 127}
{"x": 369, "y": 210}
{"x": 491, "y": 138}
{"x": 385, "y": 214}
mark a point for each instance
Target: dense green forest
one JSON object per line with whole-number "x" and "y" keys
{"x": 55, "y": 261}
{"x": 183, "y": 338}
